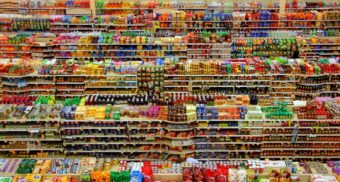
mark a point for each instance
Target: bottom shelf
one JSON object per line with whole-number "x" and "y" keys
{"x": 88, "y": 169}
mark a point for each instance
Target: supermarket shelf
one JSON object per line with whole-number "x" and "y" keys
{"x": 69, "y": 95}
{"x": 317, "y": 157}
{"x": 300, "y": 157}
{"x": 94, "y": 136}
{"x": 15, "y": 91}
{"x": 13, "y": 120}
{"x": 224, "y": 159}
{"x": 110, "y": 120}
{"x": 228, "y": 127}
{"x": 231, "y": 143}
{"x": 91, "y": 128}
{"x": 42, "y": 90}
{"x": 114, "y": 151}
{"x": 126, "y": 119}
{"x": 145, "y": 136}
{"x": 28, "y": 129}
{"x": 226, "y": 151}
{"x": 184, "y": 152}
{"x": 125, "y": 8}
{"x": 70, "y": 83}
{"x": 33, "y": 149}
{"x": 178, "y": 138}
{"x": 297, "y": 149}
{"x": 108, "y": 44}
{"x": 325, "y": 44}
{"x": 109, "y": 81}
{"x": 145, "y": 128}
{"x": 240, "y": 80}
{"x": 178, "y": 129}
{"x": 166, "y": 75}
{"x": 75, "y": 90}
{"x": 332, "y": 142}
{"x": 120, "y": 57}
{"x": 108, "y": 87}
{"x": 117, "y": 50}
{"x": 226, "y": 136}
{"x": 111, "y": 143}
{"x": 29, "y": 139}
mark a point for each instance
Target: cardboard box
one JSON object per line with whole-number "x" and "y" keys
{"x": 78, "y": 11}
{"x": 168, "y": 177}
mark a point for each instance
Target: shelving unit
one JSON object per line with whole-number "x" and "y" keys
{"x": 168, "y": 81}
{"x": 76, "y": 133}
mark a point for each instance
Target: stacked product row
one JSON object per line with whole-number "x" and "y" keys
{"x": 113, "y": 16}
{"x": 172, "y": 129}
{"x": 100, "y": 169}
{"x": 278, "y": 79}
{"x": 139, "y": 46}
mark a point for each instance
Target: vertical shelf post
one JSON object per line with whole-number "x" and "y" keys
{"x": 282, "y": 8}
{"x": 93, "y": 8}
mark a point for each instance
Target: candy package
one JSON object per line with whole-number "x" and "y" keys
{"x": 221, "y": 174}
{"x": 232, "y": 175}
{"x": 198, "y": 174}
{"x": 241, "y": 175}
{"x": 209, "y": 175}
{"x": 147, "y": 172}
{"x": 187, "y": 174}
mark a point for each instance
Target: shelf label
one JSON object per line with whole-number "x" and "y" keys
{"x": 34, "y": 130}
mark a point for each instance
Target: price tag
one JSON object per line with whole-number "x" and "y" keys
{"x": 34, "y": 131}
{"x": 68, "y": 137}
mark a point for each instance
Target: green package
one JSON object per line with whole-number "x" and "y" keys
{"x": 85, "y": 178}
{"x": 114, "y": 176}
{"x": 5, "y": 179}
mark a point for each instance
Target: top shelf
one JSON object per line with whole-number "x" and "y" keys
{"x": 211, "y": 8}
{"x": 219, "y": 8}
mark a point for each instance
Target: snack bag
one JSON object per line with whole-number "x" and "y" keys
{"x": 274, "y": 176}
{"x": 136, "y": 176}
{"x": 221, "y": 174}
{"x": 241, "y": 175}
{"x": 198, "y": 174}
{"x": 19, "y": 179}
{"x": 232, "y": 175}
{"x": 147, "y": 172}
{"x": 65, "y": 179}
{"x": 125, "y": 176}
{"x": 96, "y": 177}
{"x": 105, "y": 176}
{"x": 187, "y": 174}
{"x": 33, "y": 178}
{"x": 285, "y": 176}
{"x": 5, "y": 179}
{"x": 114, "y": 176}
{"x": 85, "y": 178}
{"x": 251, "y": 175}
{"x": 209, "y": 175}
